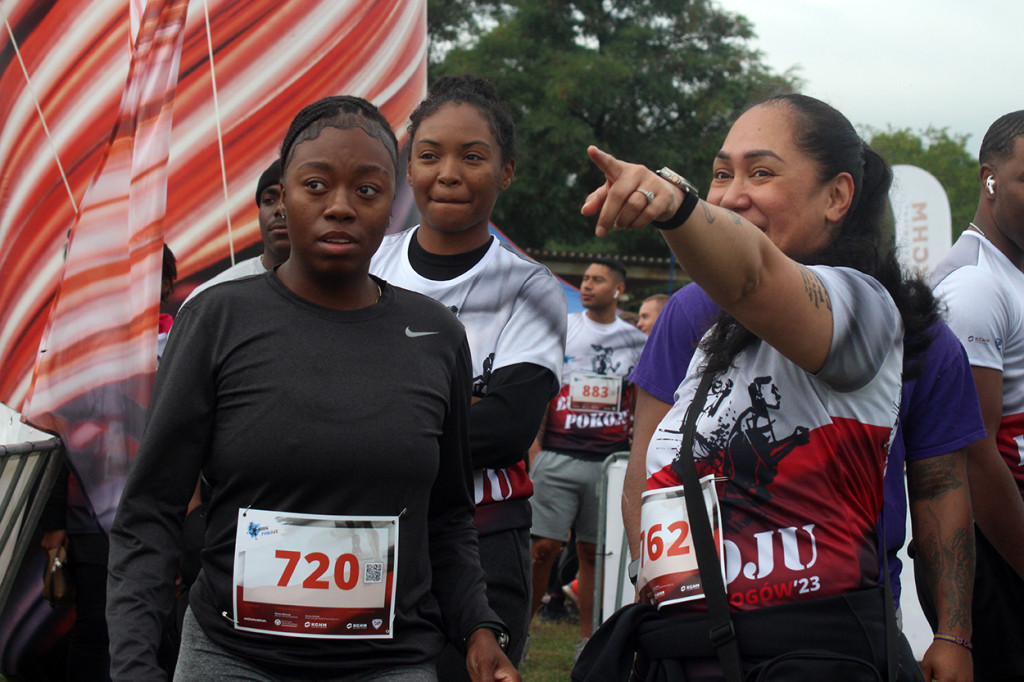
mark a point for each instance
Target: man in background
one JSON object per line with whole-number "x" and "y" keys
{"x": 649, "y": 311}
{"x": 981, "y": 281}
{"x": 273, "y": 231}
{"x": 590, "y": 419}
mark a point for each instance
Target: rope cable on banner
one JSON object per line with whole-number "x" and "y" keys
{"x": 39, "y": 109}
{"x": 220, "y": 137}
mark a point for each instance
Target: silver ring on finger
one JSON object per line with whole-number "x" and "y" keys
{"x": 647, "y": 195}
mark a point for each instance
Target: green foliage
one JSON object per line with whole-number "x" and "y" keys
{"x": 942, "y": 154}
{"x": 652, "y": 81}
{"x": 452, "y": 22}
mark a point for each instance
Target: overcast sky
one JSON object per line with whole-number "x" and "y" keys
{"x": 909, "y": 63}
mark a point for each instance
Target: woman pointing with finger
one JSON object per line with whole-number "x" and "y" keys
{"x": 805, "y": 365}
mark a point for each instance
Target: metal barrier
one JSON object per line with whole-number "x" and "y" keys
{"x": 27, "y": 474}
{"x": 612, "y": 588}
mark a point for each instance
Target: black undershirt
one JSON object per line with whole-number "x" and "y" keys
{"x": 441, "y": 268}
{"x": 502, "y": 426}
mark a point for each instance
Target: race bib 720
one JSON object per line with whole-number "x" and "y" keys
{"x": 308, "y": 575}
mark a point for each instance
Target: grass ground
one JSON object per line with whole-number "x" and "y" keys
{"x": 551, "y": 648}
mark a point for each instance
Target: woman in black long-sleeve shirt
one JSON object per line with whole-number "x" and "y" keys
{"x": 327, "y": 410}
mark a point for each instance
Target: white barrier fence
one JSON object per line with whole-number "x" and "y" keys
{"x": 30, "y": 461}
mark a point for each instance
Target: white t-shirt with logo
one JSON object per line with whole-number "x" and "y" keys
{"x": 984, "y": 294}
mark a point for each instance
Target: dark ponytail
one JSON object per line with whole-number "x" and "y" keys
{"x": 864, "y": 240}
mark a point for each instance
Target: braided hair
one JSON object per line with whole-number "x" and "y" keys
{"x": 480, "y": 93}
{"x": 863, "y": 241}
{"x": 1001, "y": 136}
{"x": 344, "y": 112}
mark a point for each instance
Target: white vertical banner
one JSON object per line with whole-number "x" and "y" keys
{"x": 923, "y": 223}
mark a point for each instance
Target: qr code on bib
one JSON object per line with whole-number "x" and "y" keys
{"x": 373, "y": 572}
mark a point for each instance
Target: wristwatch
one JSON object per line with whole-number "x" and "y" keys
{"x": 500, "y": 633}
{"x": 691, "y": 196}
{"x": 678, "y": 180}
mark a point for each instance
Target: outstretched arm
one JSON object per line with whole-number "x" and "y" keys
{"x": 732, "y": 260}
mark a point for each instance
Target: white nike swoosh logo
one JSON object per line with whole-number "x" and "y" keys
{"x": 412, "y": 335}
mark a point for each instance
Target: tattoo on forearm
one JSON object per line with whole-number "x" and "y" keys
{"x": 932, "y": 478}
{"x": 948, "y": 562}
{"x": 962, "y": 559}
{"x": 815, "y": 289}
{"x": 937, "y": 488}
{"x": 708, "y": 215}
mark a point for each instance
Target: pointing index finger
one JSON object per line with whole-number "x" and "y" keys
{"x": 608, "y": 164}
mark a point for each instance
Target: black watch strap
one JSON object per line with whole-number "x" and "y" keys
{"x": 691, "y": 196}
{"x": 501, "y": 633}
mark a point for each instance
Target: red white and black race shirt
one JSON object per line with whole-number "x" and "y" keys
{"x": 984, "y": 294}
{"x": 594, "y": 350}
{"x": 801, "y": 456}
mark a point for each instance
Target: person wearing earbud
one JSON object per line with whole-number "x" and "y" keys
{"x": 590, "y": 419}
{"x": 981, "y": 281}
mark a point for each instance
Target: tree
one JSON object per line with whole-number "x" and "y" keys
{"x": 653, "y": 81}
{"x": 942, "y": 154}
{"x": 456, "y": 22}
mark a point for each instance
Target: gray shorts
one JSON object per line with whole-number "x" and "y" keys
{"x": 200, "y": 659}
{"x": 565, "y": 497}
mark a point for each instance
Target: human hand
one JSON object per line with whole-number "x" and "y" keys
{"x": 631, "y": 197}
{"x": 485, "y": 660}
{"x": 947, "y": 662}
{"x": 52, "y": 539}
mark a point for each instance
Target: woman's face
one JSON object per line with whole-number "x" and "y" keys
{"x": 456, "y": 170}
{"x": 338, "y": 189}
{"x": 761, "y": 175}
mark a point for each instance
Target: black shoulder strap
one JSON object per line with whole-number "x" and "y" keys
{"x": 722, "y": 633}
{"x": 891, "y": 632}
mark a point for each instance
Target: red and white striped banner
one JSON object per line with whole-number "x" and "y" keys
{"x": 98, "y": 354}
{"x": 89, "y": 91}
{"x": 245, "y": 69}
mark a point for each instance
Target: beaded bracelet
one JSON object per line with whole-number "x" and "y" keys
{"x": 946, "y": 637}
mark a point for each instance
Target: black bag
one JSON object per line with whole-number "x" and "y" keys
{"x": 792, "y": 666}
{"x": 814, "y": 665}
